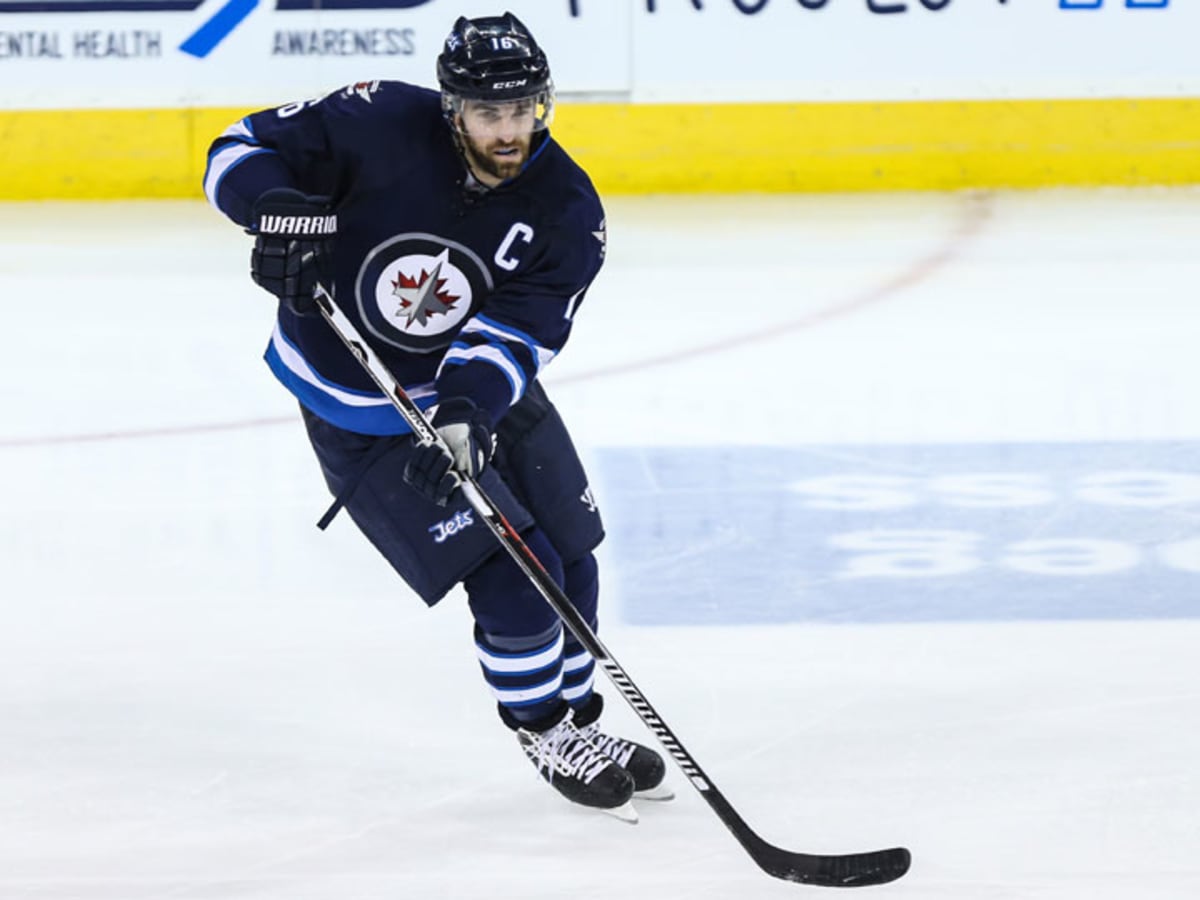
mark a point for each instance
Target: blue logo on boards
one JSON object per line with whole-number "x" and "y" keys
{"x": 205, "y": 39}
{"x": 226, "y": 17}
{"x": 759, "y": 535}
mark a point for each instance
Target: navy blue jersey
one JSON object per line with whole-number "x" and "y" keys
{"x": 462, "y": 292}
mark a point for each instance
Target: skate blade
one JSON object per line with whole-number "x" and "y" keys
{"x": 625, "y": 812}
{"x": 660, "y": 792}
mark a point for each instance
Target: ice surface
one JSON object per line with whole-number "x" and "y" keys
{"x": 202, "y": 696}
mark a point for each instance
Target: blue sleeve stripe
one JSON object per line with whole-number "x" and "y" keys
{"x": 290, "y": 356}
{"x": 493, "y": 329}
{"x": 343, "y": 407}
{"x": 478, "y": 340}
{"x": 505, "y": 331}
{"x": 498, "y": 356}
{"x": 520, "y": 354}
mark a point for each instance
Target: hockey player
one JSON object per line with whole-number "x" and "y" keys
{"x": 461, "y": 239}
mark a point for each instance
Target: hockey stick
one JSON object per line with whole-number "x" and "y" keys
{"x": 850, "y": 870}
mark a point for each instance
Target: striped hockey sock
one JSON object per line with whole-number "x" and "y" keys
{"x": 527, "y": 681}
{"x": 579, "y": 671}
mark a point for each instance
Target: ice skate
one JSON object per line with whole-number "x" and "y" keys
{"x": 643, "y": 764}
{"x": 577, "y": 770}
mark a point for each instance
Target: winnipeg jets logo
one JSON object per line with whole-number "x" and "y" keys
{"x": 415, "y": 290}
{"x": 424, "y": 296}
{"x": 452, "y": 526}
{"x": 419, "y": 294}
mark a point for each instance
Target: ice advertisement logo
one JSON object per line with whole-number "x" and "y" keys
{"x": 887, "y": 533}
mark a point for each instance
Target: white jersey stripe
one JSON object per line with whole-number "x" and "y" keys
{"x": 479, "y": 326}
{"x": 298, "y": 366}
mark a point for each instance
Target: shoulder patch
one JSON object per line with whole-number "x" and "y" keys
{"x": 361, "y": 89}
{"x": 601, "y": 234}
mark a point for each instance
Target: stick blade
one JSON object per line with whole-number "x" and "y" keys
{"x": 850, "y": 870}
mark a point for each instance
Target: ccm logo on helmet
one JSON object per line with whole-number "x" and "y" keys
{"x": 505, "y": 85}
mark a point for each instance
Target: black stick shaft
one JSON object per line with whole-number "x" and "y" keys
{"x": 876, "y": 867}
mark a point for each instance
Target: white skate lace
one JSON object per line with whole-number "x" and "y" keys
{"x": 615, "y": 748}
{"x": 565, "y": 750}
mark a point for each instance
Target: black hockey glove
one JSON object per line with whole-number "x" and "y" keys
{"x": 467, "y": 431}
{"x": 293, "y": 246}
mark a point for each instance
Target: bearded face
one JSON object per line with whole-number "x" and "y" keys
{"x": 497, "y": 137}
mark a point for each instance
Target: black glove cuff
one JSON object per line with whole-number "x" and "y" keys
{"x": 289, "y": 213}
{"x": 293, "y": 246}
